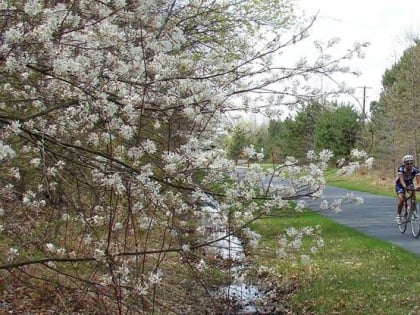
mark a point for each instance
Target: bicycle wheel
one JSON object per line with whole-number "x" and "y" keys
{"x": 415, "y": 220}
{"x": 403, "y": 225}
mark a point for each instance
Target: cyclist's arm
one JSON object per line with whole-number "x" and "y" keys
{"x": 402, "y": 181}
{"x": 417, "y": 180}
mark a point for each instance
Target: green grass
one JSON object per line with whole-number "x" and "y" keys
{"x": 353, "y": 274}
{"x": 368, "y": 181}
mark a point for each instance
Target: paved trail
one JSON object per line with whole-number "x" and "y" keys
{"x": 374, "y": 217}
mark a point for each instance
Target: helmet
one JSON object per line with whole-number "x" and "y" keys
{"x": 407, "y": 158}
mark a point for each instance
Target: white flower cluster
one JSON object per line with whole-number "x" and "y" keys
{"x": 6, "y": 151}
{"x": 155, "y": 277}
{"x": 360, "y": 159}
{"x": 291, "y": 243}
{"x": 12, "y": 254}
{"x": 250, "y": 153}
{"x": 252, "y": 237}
{"x": 322, "y": 158}
{"x": 54, "y": 250}
{"x": 358, "y": 154}
{"x": 33, "y": 7}
{"x": 335, "y": 205}
{"x": 110, "y": 180}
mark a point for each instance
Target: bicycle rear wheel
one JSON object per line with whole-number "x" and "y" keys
{"x": 415, "y": 221}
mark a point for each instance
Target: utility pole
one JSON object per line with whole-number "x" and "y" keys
{"x": 364, "y": 102}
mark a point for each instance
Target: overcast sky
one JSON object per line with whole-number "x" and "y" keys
{"x": 384, "y": 23}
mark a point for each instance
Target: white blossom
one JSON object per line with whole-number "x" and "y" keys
{"x": 295, "y": 243}
{"x": 311, "y": 155}
{"x": 98, "y": 254}
{"x": 281, "y": 252}
{"x": 118, "y": 226}
{"x": 369, "y": 162}
{"x": 12, "y": 254}
{"x": 36, "y": 162}
{"x": 300, "y": 205}
{"x": 156, "y": 277}
{"x": 50, "y": 247}
{"x": 149, "y": 147}
{"x": 335, "y": 206}
{"x": 61, "y": 251}
{"x": 290, "y": 160}
{"x": 14, "y": 173}
{"x": 15, "y": 127}
{"x": 126, "y": 132}
{"x": 12, "y": 35}
{"x": 324, "y": 205}
{"x": 186, "y": 248}
{"x": 88, "y": 239}
{"x": 146, "y": 222}
{"x": 201, "y": 265}
{"x": 326, "y": 155}
{"x": 6, "y": 151}
{"x": 358, "y": 154}
{"x": 142, "y": 288}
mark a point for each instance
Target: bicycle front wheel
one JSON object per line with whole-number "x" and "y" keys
{"x": 402, "y": 226}
{"x": 415, "y": 220}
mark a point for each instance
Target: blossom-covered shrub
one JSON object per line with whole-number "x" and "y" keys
{"x": 110, "y": 113}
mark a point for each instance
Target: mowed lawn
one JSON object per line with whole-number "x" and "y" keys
{"x": 353, "y": 273}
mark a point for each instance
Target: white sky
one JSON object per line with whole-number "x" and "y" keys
{"x": 383, "y": 23}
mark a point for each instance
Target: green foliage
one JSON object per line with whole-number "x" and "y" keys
{"x": 397, "y": 111}
{"x": 314, "y": 127}
{"x": 237, "y": 139}
{"x": 337, "y": 130}
{"x": 244, "y": 134}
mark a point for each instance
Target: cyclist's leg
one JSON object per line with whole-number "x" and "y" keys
{"x": 400, "y": 200}
{"x": 400, "y": 203}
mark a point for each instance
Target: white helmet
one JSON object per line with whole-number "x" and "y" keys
{"x": 408, "y": 158}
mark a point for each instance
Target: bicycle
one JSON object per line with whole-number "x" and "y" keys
{"x": 410, "y": 213}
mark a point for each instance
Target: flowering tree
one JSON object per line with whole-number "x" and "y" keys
{"x": 109, "y": 111}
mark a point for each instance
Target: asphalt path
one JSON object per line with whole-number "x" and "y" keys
{"x": 375, "y": 217}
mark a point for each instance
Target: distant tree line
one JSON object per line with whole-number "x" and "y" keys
{"x": 314, "y": 126}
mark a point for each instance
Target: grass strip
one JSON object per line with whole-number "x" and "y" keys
{"x": 373, "y": 182}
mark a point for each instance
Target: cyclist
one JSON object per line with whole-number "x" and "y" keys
{"x": 405, "y": 176}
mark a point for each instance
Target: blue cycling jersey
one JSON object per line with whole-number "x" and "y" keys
{"x": 408, "y": 176}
